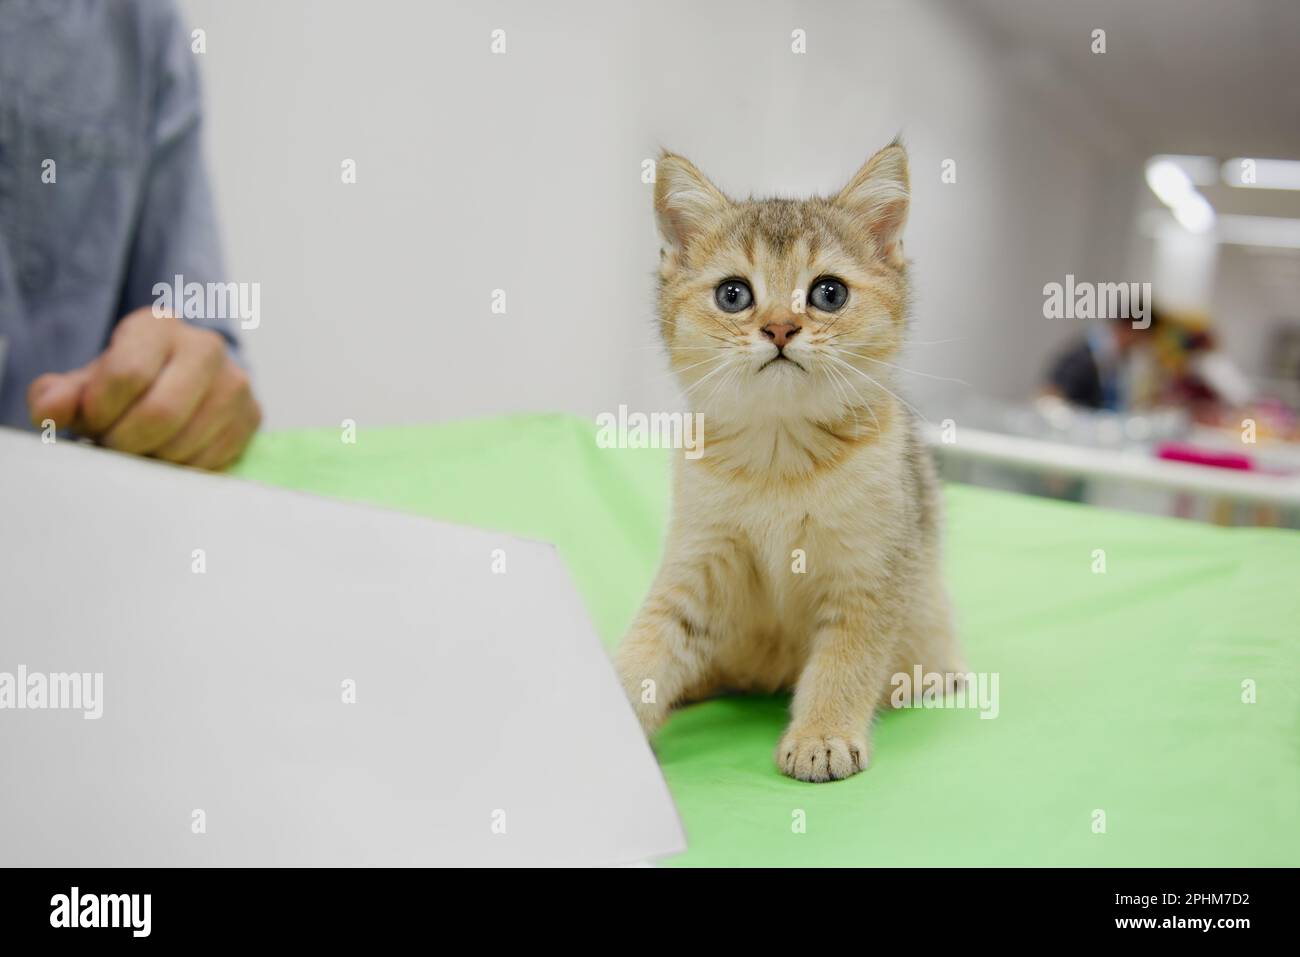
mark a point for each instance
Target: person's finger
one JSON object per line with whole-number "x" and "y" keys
{"x": 218, "y": 409}
{"x": 140, "y": 347}
{"x": 170, "y": 402}
{"x": 56, "y": 396}
{"x": 223, "y": 449}
{"x": 232, "y": 440}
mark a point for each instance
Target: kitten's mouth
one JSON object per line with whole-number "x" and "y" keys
{"x": 781, "y": 357}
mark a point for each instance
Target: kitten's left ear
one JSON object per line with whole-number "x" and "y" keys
{"x": 686, "y": 203}
{"x": 878, "y": 196}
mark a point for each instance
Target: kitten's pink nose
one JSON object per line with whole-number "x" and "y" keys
{"x": 780, "y": 332}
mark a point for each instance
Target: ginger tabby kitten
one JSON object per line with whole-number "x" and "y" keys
{"x": 782, "y": 318}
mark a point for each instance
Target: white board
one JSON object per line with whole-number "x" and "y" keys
{"x": 483, "y": 702}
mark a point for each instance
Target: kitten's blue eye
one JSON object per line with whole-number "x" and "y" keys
{"x": 828, "y": 294}
{"x": 733, "y": 295}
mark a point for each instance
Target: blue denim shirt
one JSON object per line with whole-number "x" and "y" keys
{"x": 108, "y": 91}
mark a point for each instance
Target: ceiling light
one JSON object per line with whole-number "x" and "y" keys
{"x": 1194, "y": 213}
{"x": 1201, "y": 170}
{"x": 1262, "y": 173}
{"x": 1168, "y": 181}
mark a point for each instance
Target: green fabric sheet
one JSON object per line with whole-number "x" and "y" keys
{"x": 1119, "y": 692}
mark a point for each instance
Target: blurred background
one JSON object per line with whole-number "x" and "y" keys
{"x": 1040, "y": 148}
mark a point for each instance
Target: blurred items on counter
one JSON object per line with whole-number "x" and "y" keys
{"x": 1156, "y": 420}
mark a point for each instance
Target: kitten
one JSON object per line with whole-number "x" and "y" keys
{"x": 804, "y": 547}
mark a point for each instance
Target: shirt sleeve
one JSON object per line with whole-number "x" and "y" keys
{"x": 176, "y": 228}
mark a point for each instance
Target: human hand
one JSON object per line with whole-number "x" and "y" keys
{"x": 162, "y": 388}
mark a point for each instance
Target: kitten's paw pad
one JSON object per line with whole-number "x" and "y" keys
{"x": 821, "y": 757}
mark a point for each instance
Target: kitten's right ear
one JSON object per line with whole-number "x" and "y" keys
{"x": 685, "y": 201}
{"x": 878, "y": 196}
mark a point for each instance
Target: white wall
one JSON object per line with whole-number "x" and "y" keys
{"x": 1255, "y": 295}
{"x": 1248, "y": 293}
{"x": 522, "y": 172}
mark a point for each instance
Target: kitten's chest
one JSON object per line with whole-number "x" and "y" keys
{"x": 799, "y": 557}
{"x": 805, "y": 539}
{"x": 793, "y": 538}
{"x": 813, "y": 531}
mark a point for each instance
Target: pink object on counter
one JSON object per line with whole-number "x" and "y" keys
{"x": 1178, "y": 452}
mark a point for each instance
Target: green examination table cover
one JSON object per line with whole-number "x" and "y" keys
{"x": 1119, "y": 692}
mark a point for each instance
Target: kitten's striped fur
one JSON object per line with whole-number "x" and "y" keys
{"x": 818, "y": 457}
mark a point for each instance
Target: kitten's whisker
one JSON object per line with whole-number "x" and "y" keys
{"x": 735, "y": 380}
{"x": 673, "y": 373}
{"x": 686, "y": 348}
{"x": 864, "y": 375}
{"x": 848, "y": 332}
{"x": 905, "y": 342}
{"x": 705, "y": 378}
{"x": 695, "y": 365}
{"x": 728, "y": 323}
{"x": 673, "y": 320}
{"x": 865, "y": 404}
{"x": 729, "y": 377}
{"x": 826, "y": 326}
{"x": 849, "y": 387}
{"x": 840, "y": 394}
{"x": 927, "y": 375}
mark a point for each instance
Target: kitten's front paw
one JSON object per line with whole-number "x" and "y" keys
{"x": 813, "y": 755}
{"x": 649, "y": 711}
